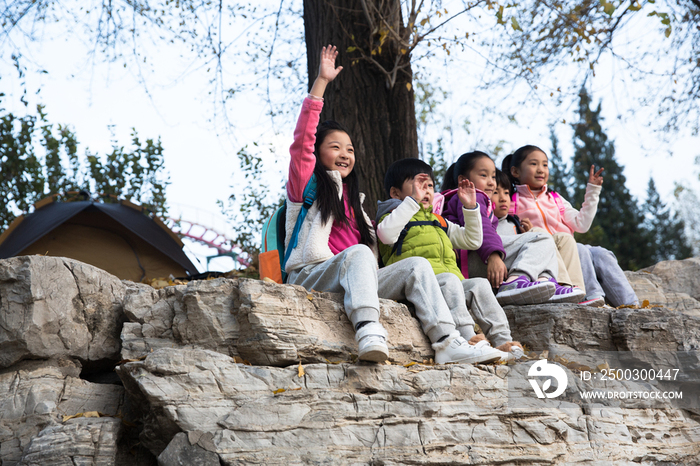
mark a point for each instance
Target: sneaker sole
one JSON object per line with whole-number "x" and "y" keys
{"x": 597, "y": 302}
{"x": 567, "y": 298}
{"x": 537, "y": 294}
{"x": 374, "y": 354}
{"x": 493, "y": 357}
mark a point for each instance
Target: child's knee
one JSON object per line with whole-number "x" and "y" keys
{"x": 583, "y": 252}
{"x": 449, "y": 280}
{"x": 564, "y": 238}
{"x": 359, "y": 252}
{"x": 477, "y": 285}
{"x": 417, "y": 264}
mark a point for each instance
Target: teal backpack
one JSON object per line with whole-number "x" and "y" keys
{"x": 273, "y": 256}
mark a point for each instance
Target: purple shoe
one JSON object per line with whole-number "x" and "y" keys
{"x": 566, "y": 294}
{"x": 522, "y": 291}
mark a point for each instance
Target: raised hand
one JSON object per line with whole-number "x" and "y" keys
{"x": 420, "y": 187}
{"x": 595, "y": 177}
{"x": 327, "y": 69}
{"x": 467, "y": 193}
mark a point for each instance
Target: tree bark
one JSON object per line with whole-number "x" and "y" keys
{"x": 381, "y": 118}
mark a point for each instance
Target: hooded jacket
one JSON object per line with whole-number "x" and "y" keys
{"x": 491, "y": 241}
{"x": 428, "y": 241}
{"x": 313, "y": 246}
{"x": 542, "y": 209}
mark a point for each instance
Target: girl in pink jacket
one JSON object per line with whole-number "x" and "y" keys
{"x": 336, "y": 245}
{"x": 528, "y": 169}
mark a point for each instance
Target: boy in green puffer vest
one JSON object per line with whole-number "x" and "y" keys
{"x": 407, "y": 227}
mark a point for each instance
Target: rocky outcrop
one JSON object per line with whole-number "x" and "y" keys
{"x": 263, "y": 323}
{"x": 374, "y": 414}
{"x": 54, "y": 307}
{"x": 78, "y": 441}
{"x": 240, "y": 371}
{"x": 37, "y": 395}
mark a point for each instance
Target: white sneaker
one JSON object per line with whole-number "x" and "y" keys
{"x": 515, "y": 353}
{"x": 371, "y": 340}
{"x": 457, "y": 349}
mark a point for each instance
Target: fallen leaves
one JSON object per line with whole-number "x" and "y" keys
{"x": 85, "y": 414}
{"x": 645, "y": 305}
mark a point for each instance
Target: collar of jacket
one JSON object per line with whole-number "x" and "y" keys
{"x": 525, "y": 189}
{"x": 338, "y": 180}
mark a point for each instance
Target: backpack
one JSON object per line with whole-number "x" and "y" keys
{"x": 273, "y": 256}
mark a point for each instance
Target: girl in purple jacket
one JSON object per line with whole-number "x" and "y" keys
{"x": 520, "y": 267}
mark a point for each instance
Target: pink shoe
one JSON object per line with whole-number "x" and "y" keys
{"x": 595, "y": 302}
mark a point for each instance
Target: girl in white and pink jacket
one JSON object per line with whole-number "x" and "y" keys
{"x": 528, "y": 169}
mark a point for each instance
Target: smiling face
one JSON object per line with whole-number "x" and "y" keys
{"x": 483, "y": 175}
{"x": 501, "y": 201}
{"x": 337, "y": 153}
{"x": 533, "y": 171}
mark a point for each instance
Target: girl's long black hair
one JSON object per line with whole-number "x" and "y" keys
{"x": 327, "y": 192}
{"x": 515, "y": 160}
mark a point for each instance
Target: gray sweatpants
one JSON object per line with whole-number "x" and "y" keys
{"x": 354, "y": 272}
{"x": 475, "y": 294}
{"x": 531, "y": 254}
{"x": 604, "y": 277}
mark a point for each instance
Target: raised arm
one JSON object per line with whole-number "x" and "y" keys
{"x": 470, "y": 236}
{"x": 390, "y": 227}
{"x": 303, "y": 160}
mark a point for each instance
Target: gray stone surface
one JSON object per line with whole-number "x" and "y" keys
{"x": 199, "y": 314}
{"x": 378, "y": 414}
{"x": 196, "y": 403}
{"x": 655, "y": 289}
{"x": 679, "y": 276}
{"x": 180, "y": 452}
{"x": 52, "y": 307}
{"x": 263, "y": 323}
{"x": 283, "y": 325}
{"x": 37, "y": 394}
{"x": 78, "y": 442}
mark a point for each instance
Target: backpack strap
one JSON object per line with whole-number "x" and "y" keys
{"x": 443, "y": 222}
{"x": 516, "y": 221}
{"x": 513, "y": 204}
{"x": 558, "y": 201}
{"x": 399, "y": 243}
{"x": 309, "y": 198}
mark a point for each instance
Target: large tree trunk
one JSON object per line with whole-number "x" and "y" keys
{"x": 381, "y": 118}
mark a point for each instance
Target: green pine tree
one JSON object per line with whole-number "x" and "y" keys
{"x": 618, "y": 222}
{"x": 559, "y": 173}
{"x": 665, "y": 230}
